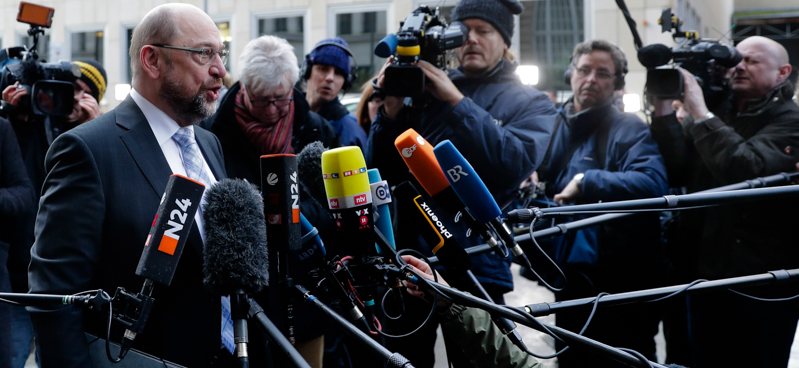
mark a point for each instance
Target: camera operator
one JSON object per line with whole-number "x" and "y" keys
{"x": 35, "y": 133}
{"x": 598, "y": 153}
{"x": 754, "y": 133}
{"x": 500, "y": 125}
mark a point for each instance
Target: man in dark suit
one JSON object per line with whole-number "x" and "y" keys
{"x": 104, "y": 183}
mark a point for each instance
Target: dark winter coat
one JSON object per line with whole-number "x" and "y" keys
{"x": 502, "y": 128}
{"x": 735, "y": 146}
{"x": 348, "y": 131}
{"x": 630, "y": 167}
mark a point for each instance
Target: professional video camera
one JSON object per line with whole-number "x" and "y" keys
{"x": 49, "y": 86}
{"x": 707, "y": 59}
{"x": 423, "y": 35}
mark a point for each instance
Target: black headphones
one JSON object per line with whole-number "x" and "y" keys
{"x": 618, "y": 83}
{"x": 307, "y": 65}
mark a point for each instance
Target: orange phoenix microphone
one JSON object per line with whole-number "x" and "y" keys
{"x": 349, "y": 197}
{"x": 420, "y": 158}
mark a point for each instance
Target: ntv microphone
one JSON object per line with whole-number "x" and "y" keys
{"x": 161, "y": 253}
{"x": 474, "y": 194}
{"x": 235, "y": 259}
{"x": 418, "y": 155}
{"x": 281, "y": 192}
{"x": 349, "y": 198}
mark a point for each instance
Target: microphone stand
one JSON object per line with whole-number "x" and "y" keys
{"x": 257, "y": 314}
{"x": 772, "y": 277}
{"x": 569, "y": 337}
{"x": 393, "y": 360}
{"x": 768, "y": 181}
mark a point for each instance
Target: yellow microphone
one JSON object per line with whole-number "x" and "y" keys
{"x": 349, "y": 197}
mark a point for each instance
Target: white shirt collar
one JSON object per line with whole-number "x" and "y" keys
{"x": 162, "y": 125}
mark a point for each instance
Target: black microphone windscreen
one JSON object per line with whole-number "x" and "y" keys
{"x": 309, "y": 165}
{"x": 235, "y": 255}
{"x": 655, "y": 55}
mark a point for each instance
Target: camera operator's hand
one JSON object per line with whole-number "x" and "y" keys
{"x": 424, "y": 270}
{"x": 89, "y": 107}
{"x": 662, "y": 106}
{"x": 439, "y": 84}
{"x": 392, "y": 105}
{"x": 13, "y": 93}
{"x": 568, "y": 194}
{"x": 693, "y": 98}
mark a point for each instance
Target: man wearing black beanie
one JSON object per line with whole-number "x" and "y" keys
{"x": 501, "y": 126}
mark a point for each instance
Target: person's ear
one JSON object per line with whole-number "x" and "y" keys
{"x": 152, "y": 61}
{"x": 784, "y": 73}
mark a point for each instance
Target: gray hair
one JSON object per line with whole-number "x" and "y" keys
{"x": 585, "y": 47}
{"x": 267, "y": 63}
{"x": 157, "y": 27}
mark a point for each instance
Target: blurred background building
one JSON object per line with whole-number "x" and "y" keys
{"x": 545, "y": 34}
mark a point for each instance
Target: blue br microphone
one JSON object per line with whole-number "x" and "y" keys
{"x": 381, "y": 197}
{"x": 474, "y": 193}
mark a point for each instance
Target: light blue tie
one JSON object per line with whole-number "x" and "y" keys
{"x": 194, "y": 164}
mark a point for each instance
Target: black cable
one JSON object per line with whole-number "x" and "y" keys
{"x": 11, "y": 302}
{"x": 108, "y": 332}
{"x": 638, "y": 355}
{"x": 383, "y": 306}
{"x": 699, "y": 281}
{"x": 548, "y": 286}
{"x": 764, "y": 299}
{"x": 400, "y": 261}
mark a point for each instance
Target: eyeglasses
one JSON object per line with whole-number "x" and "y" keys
{"x": 600, "y": 74}
{"x": 264, "y": 103}
{"x": 206, "y": 53}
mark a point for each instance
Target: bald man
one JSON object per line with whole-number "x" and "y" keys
{"x": 104, "y": 184}
{"x": 754, "y": 133}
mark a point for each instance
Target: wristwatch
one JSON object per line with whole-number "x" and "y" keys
{"x": 707, "y": 117}
{"x": 578, "y": 179}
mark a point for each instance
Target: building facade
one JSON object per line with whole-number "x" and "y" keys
{"x": 545, "y": 33}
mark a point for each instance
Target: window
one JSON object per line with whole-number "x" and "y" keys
{"x": 224, "y": 32}
{"x": 370, "y": 21}
{"x": 344, "y": 22}
{"x": 289, "y": 28}
{"x": 548, "y": 32}
{"x": 87, "y": 46}
{"x": 129, "y": 33}
{"x": 281, "y": 25}
{"x": 362, "y": 31}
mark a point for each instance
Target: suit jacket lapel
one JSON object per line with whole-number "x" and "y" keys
{"x": 144, "y": 148}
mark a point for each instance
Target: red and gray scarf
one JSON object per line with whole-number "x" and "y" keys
{"x": 269, "y": 138}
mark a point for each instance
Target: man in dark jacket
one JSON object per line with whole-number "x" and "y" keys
{"x": 598, "y": 153}
{"x": 35, "y": 133}
{"x": 261, "y": 115}
{"x": 501, "y": 126}
{"x": 17, "y": 199}
{"x": 754, "y": 133}
{"x": 327, "y": 73}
